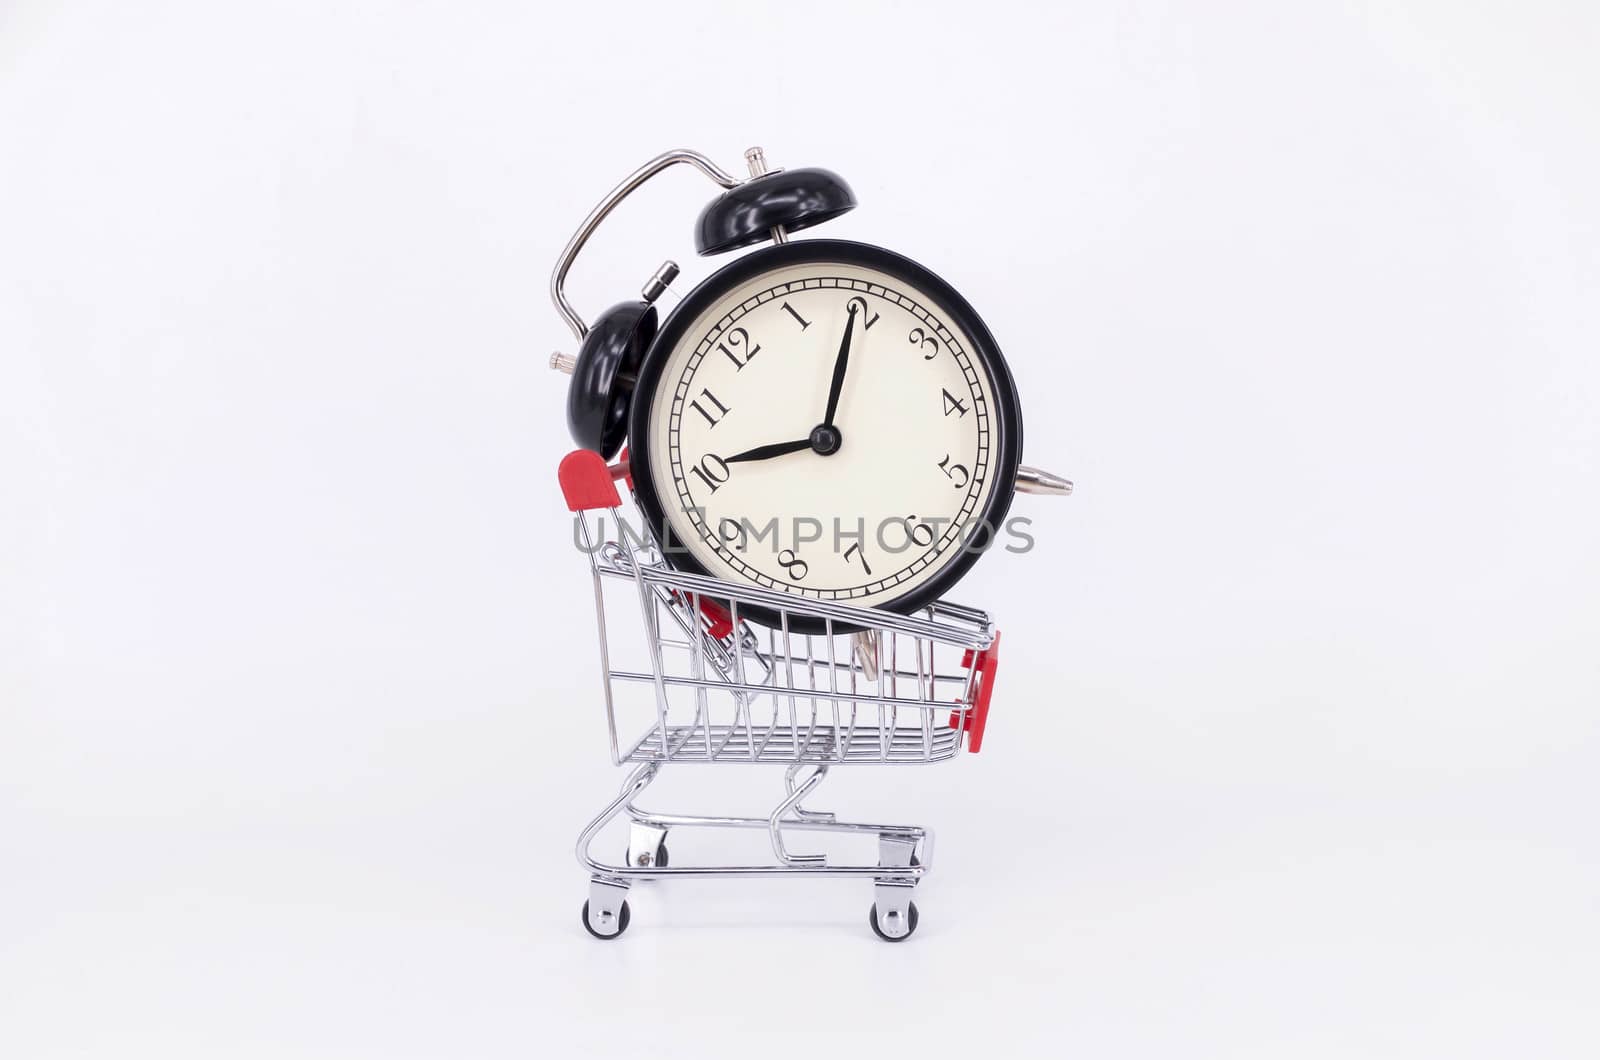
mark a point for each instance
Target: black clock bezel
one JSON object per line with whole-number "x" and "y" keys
{"x": 1008, "y": 415}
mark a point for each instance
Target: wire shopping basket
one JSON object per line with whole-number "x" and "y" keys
{"x": 810, "y": 684}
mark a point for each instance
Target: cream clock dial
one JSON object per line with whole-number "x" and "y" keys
{"x": 838, "y": 426}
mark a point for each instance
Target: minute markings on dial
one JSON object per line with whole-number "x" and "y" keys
{"x": 705, "y": 478}
{"x": 971, "y": 377}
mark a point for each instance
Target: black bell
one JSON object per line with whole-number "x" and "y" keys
{"x": 790, "y": 198}
{"x": 603, "y": 378}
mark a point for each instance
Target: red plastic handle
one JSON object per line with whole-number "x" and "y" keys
{"x": 984, "y": 666}
{"x": 586, "y": 481}
{"x": 719, "y": 623}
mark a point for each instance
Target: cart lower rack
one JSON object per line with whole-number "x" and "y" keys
{"x": 817, "y": 684}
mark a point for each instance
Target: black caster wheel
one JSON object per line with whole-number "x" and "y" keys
{"x": 872, "y": 918}
{"x": 622, "y": 923}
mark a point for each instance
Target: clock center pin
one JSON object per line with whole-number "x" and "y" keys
{"x": 825, "y": 440}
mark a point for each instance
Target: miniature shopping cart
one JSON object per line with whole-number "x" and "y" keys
{"x": 700, "y": 682}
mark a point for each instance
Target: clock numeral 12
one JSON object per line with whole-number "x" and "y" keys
{"x": 722, "y": 410}
{"x": 712, "y": 470}
{"x": 738, "y": 341}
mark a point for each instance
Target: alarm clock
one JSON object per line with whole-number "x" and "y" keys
{"x": 824, "y": 418}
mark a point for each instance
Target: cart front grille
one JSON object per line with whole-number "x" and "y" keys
{"x": 782, "y": 743}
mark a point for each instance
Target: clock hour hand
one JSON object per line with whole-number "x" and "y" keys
{"x": 765, "y": 452}
{"x": 839, "y": 365}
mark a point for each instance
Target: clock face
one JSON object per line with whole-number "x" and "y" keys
{"x": 767, "y": 472}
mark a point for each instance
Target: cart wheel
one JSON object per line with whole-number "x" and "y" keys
{"x": 911, "y": 923}
{"x": 658, "y": 860}
{"x": 622, "y": 922}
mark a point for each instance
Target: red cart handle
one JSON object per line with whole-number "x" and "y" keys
{"x": 983, "y": 664}
{"x": 587, "y": 482}
{"x": 719, "y": 622}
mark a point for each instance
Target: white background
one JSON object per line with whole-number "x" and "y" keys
{"x": 1294, "y": 748}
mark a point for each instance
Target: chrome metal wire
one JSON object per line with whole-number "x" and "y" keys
{"x": 709, "y": 668}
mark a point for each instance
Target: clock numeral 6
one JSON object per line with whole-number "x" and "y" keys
{"x": 861, "y": 304}
{"x": 918, "y": 533}
{"x": 918, "y": 337}
{"x": 956, "y": 473}
{"x": 792, "y": 563}
{"x": 712, "y": 471}
{"x": 738, "y": 348}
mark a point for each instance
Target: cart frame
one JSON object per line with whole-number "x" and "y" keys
{"x": 838, "y": 697}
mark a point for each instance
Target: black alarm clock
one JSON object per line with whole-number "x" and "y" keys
{"x": 828, "y": 419}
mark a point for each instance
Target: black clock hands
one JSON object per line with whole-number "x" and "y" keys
{"x": 766, "y": 452}
{"x": 824, "y": 438}
{"x": 839, "y": 367}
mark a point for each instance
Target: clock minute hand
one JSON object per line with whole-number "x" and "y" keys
{"x": 765, "y": 452}
{"x": 839, "y": 367}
